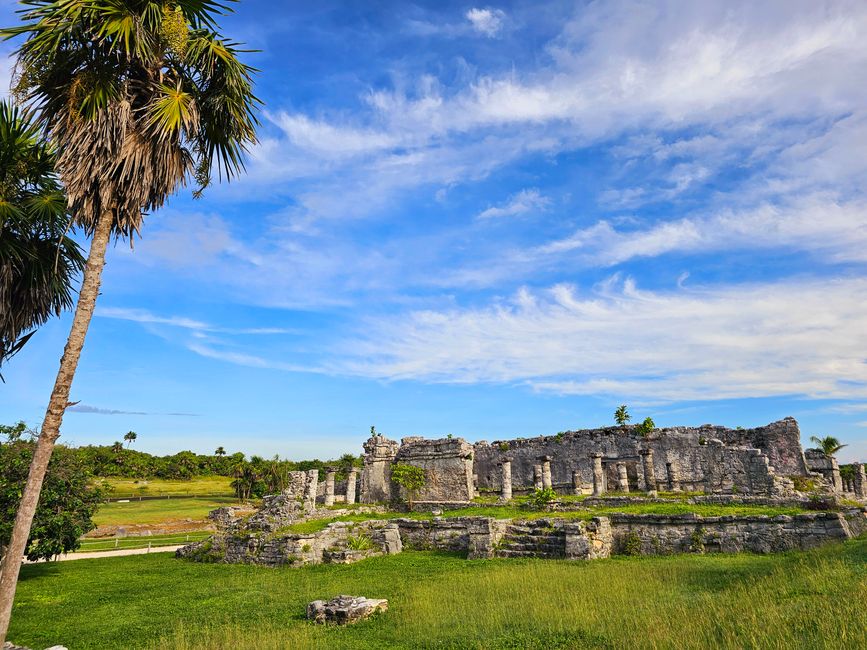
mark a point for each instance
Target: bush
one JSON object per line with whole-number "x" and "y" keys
{"x": 646, "y": 427}
{"x": 803, "y": 483}
{"x": 360, "y": 542}
{"x": 66, "y": 505}
{"x": 410, "y": 478}
{"x": 632, "y": 544}
{"x": 542, "y": 497}
{"x": 696, "y": 540}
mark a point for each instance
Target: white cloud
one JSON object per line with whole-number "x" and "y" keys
{"x": 528, "y": 200}
{"x": 819, "y": 224}
{"x": 327, "y": 139}
{"x": 145, "y": 317}
{"x": 486, "y": 21}
{"x": 792, "y": 338}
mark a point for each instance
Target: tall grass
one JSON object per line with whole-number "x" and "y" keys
{"x": 809, "y": 599}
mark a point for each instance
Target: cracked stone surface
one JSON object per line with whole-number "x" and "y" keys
{"x": 345, "y": 610}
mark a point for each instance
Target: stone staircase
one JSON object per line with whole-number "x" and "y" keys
{"x": 542, "y": 538}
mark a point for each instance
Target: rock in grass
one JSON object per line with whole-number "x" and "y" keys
{"x": 11, "y": 646}
{"x": 344, "y": 610}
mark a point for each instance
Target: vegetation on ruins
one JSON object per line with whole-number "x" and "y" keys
{"x": 441, "y": 601}
{"x": 646, "y": 427}
{"x": 621, "y": 415}
{"x": 542, "y": 497}
{"x": 139, "y": 97}
{"x": 67, "y": 503}
{"x": 828, "y": 444}
{"x": 39, "y": 261}
{"x": 410, "y": 478}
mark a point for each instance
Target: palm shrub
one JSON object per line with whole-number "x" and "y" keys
{"x": 621, "y": 415}
{"x": 139, "y": 98}
{"x": 542, "y": 497}
{"x": 39, "y": 262}
{"x": 829, "y": 444}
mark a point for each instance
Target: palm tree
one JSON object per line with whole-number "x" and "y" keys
{"x": 139, "y": 96}
{"x": 38, "y": 261}
{"x": 219, "y": 451}
{"x": 829, "y": 444}
{"x": 117, "y": 447}
{"x": 130, "y": 437}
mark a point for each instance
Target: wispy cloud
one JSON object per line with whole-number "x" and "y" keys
{"x": 86, "y": 408}
{"x": 486, "y": 21}
{"x": 146, "y": 317}
{"x": 528, "y": 200}
{"x": 821, "y": 224}
{"x": 791, "y": 338}
{"x": 96, "y": 410}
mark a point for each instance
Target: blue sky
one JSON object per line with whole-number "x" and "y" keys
{"x": 496, "y": 221}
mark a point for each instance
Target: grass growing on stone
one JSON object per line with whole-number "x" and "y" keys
{"x": 516, "y": 512}
{"x": 158, "y": 510}
{"x": 197, "y": 486}
{"x": 794, "y": 600}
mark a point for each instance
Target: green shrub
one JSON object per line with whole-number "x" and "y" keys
{"x": 504, "y": 446}
{"x": 410, "y": 478}
{"x": 632, "y": 544}
{"x": 542, "y": 497}
{"x": 360, "y": 542}
{"x": 646, "y": 427}
{"x": 804, "y": 483}
{"x": 696, "y": 540}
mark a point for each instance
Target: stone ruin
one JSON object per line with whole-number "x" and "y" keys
{"x": 264, "y": 536}
{"x": 763, "y": 461}
{"x": 345, "y": 610}
{"x": 761, "y": 466}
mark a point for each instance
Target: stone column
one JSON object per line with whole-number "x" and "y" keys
{"x": 506, "y": 469}
{"x": 351, "y": 479}
{"x": 836, "y": 479}
{"x": 622, "y": 478}
{"x": 598, "y": 487}
{"x": 649, "y": 473}
{"x": 673, "y": 483}
{"x": 546, "y": 471}
{"x": 537, "y": 476}
{"x": 311, "y": 487}
{"x": 576, "y": 482}
{"x": 376, "y": 474}
{"x": 329, "y": 486}
{"x": 860, "y": 482}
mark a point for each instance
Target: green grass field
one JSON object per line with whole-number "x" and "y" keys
{"x": 114, "y": 543}
{"x": 793, "y": 600}
{"x": 158, "y": 510}
{"x": 198, "y": 486}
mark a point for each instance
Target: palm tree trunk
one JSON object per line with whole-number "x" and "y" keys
{"x": 11, "y": 562}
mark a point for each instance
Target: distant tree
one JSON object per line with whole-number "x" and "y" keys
{"x": 621, "y": 415}
{"x": 117, "y": 447}
{"x": 372, "y": 431}
{"x": 130, "y": 437}
{"x": 410, "y": 478}
{"x": 829, "y": 444}
{"x": 219, "y": 451}
{"x": 68, "y": 500}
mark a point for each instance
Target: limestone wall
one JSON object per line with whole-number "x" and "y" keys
{"x": 701, "y": 458}
{"x": 656, "y": 534}
{"x": 447, "y": 464}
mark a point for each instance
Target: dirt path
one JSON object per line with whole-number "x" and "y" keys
{"x": 124, "y": 551}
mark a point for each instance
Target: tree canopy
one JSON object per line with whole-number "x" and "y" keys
{"x": 39, "y": 261}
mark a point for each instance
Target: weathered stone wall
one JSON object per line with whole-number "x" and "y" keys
{"x": 709, "y": 458}
{"x": 379, "y": 453}
{"x": 278, "y": 549}
{"x": 447, "y": 464}
{"x": 826, "y": 466}
{"x": 657, "y": 534}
